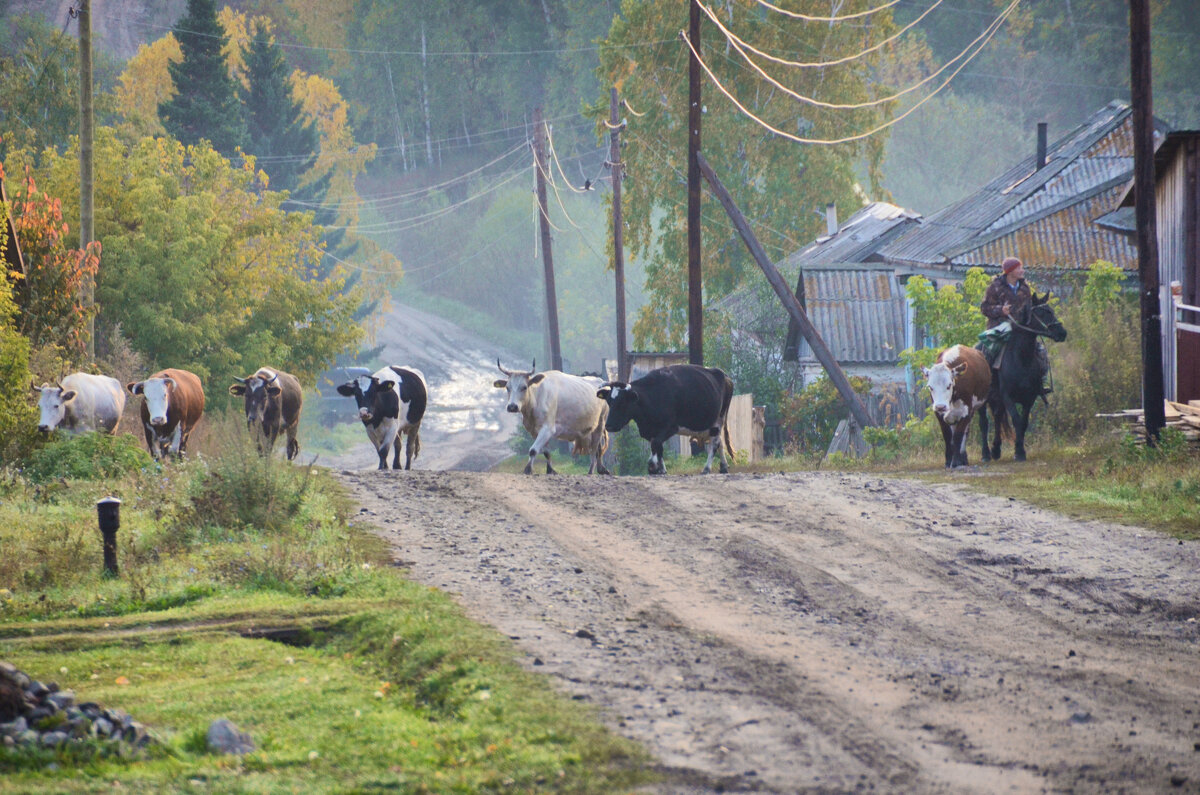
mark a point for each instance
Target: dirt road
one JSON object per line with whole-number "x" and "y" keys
{"x": 828, "y": 633}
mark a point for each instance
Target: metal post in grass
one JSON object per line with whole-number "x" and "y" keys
{"x": 108, "y": 513}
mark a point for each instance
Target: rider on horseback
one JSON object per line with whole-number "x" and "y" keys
{"x": 1005, "y": 297}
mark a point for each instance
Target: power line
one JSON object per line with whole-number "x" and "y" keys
{"x": 735, "y": 40}
{"x": 809, "y": 18}
{"x": 995, "y": 26}
{"x": 446, "y": 53}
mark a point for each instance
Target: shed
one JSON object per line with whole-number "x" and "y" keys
{"x": 1177, "y": 219}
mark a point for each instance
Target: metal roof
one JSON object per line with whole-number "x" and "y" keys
{"x": 1045, "y": 216}
{"x": 858, "y": 238}
{"x": 859, "y": 313}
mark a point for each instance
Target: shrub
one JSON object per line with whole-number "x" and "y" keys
{"x": 810, "y": 417}
{"x": 88, "y": 456}
{"x": 242, "y": 489}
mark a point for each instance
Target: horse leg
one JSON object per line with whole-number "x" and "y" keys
{"x": 1021, "y": 426}
{"x": 983, "y": 433}
{"x": 998, "y": 418}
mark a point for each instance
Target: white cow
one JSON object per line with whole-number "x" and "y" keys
{"x": 81, "y": 402}
{"x": 556, "y": 405}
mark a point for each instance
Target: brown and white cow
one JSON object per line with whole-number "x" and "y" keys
{"x": 273, "y": 403}
{"x": 174, "y": 404}
{"x": 958, "y": 384}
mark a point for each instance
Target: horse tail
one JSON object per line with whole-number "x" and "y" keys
{"x": 1003, "y": 424}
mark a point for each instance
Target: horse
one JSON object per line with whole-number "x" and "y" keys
{"x": 1018, "y": 380}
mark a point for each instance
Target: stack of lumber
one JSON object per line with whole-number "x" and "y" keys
{"x": 1184, "y": 417}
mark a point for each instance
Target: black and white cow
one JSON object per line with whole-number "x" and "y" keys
{"x": 682, "y": 398}
{"x": 391, "y": 402}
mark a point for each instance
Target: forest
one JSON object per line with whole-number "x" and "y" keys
{"x": 275, "y": 174}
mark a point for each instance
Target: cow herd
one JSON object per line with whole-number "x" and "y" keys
{"x": 679, "y": 399}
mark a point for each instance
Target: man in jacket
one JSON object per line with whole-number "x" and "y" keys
{"x": 1005, "y": 297}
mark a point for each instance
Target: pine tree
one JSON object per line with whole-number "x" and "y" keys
{"x": 278, "y": 135}
{"x": 206, "y": 103}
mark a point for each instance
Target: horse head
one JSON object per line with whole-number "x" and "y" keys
{"x": 1038, "y": 315}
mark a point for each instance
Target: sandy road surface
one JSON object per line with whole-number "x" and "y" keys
{"x": 828, "y": 633}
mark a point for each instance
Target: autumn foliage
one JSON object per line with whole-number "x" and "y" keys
{"x": 47, "y": 290}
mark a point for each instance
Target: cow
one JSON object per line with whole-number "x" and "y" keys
{"x": 557, "y": 405}
{"x": 174, "y": 404}
{"x": 273, "y": 403}
{"x": 391, "y": 402}
{"x": 958, "y": 384}
{"x": 79, "y": 403}
{"x": 681, "y": 398}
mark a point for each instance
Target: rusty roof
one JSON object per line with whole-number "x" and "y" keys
{"x": 1045, "y": 216}
{"x": 863, "y": 233}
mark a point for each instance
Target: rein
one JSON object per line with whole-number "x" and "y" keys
{"x": 1044, "y": 332}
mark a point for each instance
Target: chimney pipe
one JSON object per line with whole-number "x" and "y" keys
{"x": 831, "y": 222}
{"x": 1041, "y": 145}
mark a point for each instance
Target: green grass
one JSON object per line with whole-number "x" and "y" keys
{"x": 387, "y": 686}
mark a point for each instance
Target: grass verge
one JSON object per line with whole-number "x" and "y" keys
{"x": 382, "y": 684}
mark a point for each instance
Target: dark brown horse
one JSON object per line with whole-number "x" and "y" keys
{"x": 1017, "y": 384}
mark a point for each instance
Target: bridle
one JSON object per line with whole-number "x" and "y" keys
{"x": 1044, "y": 331}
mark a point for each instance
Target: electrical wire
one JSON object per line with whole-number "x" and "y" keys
{"x": 809, "y": 18}
{"x": 851, "y": 106}
{"x": 994, "y": 27}
{"x": 735, "y": 40}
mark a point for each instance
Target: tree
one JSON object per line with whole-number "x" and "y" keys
{"x": 205, "y": 104}
{"x": 16, "y": 411}
{"x": 782, "y": 187}
{"x": 949, "y": 315}
{"x": 47, "y": 292}
{"x": 145, "y": 85}
{"x": 203, "y": 269}
{"x": 277, "y": 133}
{"x": 39, "y": 86}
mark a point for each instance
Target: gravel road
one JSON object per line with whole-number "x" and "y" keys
{"x": 821, "y": 632}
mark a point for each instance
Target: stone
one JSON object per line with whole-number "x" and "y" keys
{"x": 54, "y": 739}
{"x": 224, "y": 737}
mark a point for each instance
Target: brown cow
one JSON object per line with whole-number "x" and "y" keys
{"x": 958, "y": 384}
{"x": 273, "y": 402}
{"x": 174, "y": 404}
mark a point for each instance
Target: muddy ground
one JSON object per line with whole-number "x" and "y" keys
{"x": 820, "y": 632}
{"x": 805, "y": 632}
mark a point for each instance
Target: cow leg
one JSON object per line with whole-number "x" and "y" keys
{"x": 396, "y": 445}
{"x": 152, "y": 441}
{"x": 545, "y": 434}
{"x": 382, "y": 450}
{"x": 722, "y": 443}
{"x": 599, "y": 448}
{"x": 549, "y": 469}
{"x": 178, "y": 441}
{"x": 657, "y": 465}
{"x": 960, "y": 439}
{"x": 947, "y": 441}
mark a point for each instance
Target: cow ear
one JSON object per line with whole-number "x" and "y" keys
{"x": 68, "y": 395}
{"x": 135, "y": 387}
{"x": 500, "y": 384}
{"x": 536, "y": 379}
{"x": 925, "y": 372}
{"x": 604, "y": 392}
{"x": 387, "y": 386}
{"x": 237, "y": 390}
{"x": 960, "y": 368}
{"x": 274, "y": 390}
{"x": 346, "y": 389}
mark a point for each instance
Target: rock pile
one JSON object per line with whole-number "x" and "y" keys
{"x": 33, "y": 714}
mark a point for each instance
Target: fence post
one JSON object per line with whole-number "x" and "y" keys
{"x": 108, "y": 514}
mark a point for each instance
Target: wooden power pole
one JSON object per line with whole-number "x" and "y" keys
{"x": 614, "y": 163}
{"x": 695, "y": 303}
{"x": 86, "y": 183}
{"x": 1147, "y": 232}
{"x": 539, "y": 162}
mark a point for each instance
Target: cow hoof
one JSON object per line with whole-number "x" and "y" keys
{"x": 1019, "y": 457}
{"x": 724, "y": 469}
{"x": 529, "y": 469}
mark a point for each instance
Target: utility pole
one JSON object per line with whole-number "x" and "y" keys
{"x": 615, "y": 164}
{"x": 695, "y": 304}
{"x": 539, "y": 162}
{"x": 86, "y": 184}
{"x": 1147, "y": 232}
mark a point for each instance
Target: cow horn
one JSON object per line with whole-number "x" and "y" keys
{"x": 33, "y": 386}
{"x": 506, "y": 372}
{"x": 240, "y": 380}
{"x": 274, "y": 378}
{"x": 533, "y": 367}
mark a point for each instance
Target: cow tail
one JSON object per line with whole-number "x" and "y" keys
{"x": 728, "y": 441}
{"x": 726, "y": 400}
{"x": 415, "y": 440}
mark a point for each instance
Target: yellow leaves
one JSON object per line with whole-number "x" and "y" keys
{"x": 121, "y": 680}
{"x": 145, "y": 84}
{"x": 240, "y": 30}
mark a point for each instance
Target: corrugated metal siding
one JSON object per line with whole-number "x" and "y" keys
{"x": 858, "y": 313}
{"x": 1171, "y": 209}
